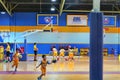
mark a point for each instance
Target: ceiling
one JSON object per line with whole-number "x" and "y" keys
{"x": 43, "y": 6}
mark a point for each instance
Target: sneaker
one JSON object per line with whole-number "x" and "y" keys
{"x": 15, "y": 70}
{"x": 6, "y": 61}
{"x": 10, "y": 61}
{"x": 35, "y": 60}
{"x": 39, "y": 78}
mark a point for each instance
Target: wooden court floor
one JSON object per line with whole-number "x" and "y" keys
{"x": 62, "y": 70}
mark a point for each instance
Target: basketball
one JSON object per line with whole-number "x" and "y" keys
{"x": 20, "y": 56}
{"x": 36, "y": 49}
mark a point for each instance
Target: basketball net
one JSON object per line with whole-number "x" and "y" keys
{"x": 5, "y": 34}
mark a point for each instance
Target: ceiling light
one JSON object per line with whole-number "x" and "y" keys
{"x": 52, "y": 9}
{"x": 53, "y": 0}
{"x": 2, "y": 12}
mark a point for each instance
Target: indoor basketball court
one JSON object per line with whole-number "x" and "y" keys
{"x": 59, "y": 40}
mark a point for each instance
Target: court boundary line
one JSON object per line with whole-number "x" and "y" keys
{"x": 65, "y": 72}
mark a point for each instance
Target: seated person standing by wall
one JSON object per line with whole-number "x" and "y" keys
{"x": 35, "y": 52}
{"x": 1, "y": 53}
{"x": 8, "y": 52}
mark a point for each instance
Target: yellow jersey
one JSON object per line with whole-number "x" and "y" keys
{"x": 8, "y": 48}
{"x": 35, "y": 48}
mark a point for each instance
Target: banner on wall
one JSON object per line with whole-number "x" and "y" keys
{"x": 109, "y": 21}
{"x": 44, "y": 19}
{"x": 77, "y": 20}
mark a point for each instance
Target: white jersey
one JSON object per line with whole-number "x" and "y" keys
{"x": 62, "y": 50}
{"x": 54, "y": 50}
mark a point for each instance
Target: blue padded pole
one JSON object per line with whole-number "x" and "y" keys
{"x": 25, "y": 43}
{"x": 96, "y": 46}
{"x": 25, "y": 50}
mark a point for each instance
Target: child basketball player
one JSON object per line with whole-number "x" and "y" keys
{"x": 71, "y": 54}
{"x": 43, "y": 64}
{"x": 16, "y": 57}
{"x": 62, "y": 53}
{"x": 8, "y": 52}
{"x": 55, "y": 53}
{"x": 35, "y": 52}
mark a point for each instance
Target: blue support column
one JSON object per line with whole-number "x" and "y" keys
{"x": 25, "y": 45}
{"x": 96, "y": 46}
{"x": 24, "y": 56}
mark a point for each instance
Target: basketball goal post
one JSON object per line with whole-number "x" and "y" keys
{"x": 5, "y": 34}
{"x": 30, "y": 32}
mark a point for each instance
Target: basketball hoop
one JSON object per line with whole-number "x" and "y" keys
{"x": 5, "y": 34}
